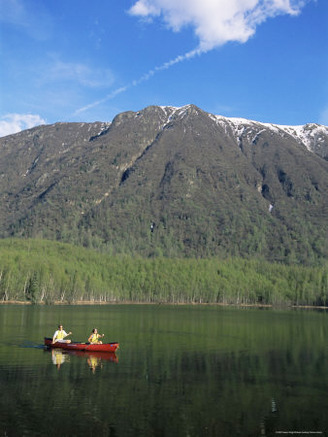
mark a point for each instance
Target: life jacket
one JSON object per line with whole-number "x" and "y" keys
{"x": 94, "y": 338}
{"x": 60, "y": 335}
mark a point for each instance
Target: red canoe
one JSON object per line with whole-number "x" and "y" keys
{"x": 87, "y": 347}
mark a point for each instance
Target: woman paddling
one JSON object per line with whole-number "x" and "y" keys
{"x": 94, "y": 337}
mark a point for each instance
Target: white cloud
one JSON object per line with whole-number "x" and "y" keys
{"x": 216, "y": 22}
{"x": 13, "y": 123}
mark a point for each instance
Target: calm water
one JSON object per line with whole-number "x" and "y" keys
{"x": 180, "y": 371}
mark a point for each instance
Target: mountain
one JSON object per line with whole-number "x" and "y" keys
{"x": 170, "y": 181}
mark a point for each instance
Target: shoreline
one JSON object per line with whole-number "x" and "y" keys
{"x": 93, "y": 303}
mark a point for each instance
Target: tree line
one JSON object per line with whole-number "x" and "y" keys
{"x": 41, "y": 271}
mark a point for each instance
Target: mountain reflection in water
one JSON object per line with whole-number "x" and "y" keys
{"x": 183, "y": 371}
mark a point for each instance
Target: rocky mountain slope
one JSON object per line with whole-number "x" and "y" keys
{"x": 170, "y": 181}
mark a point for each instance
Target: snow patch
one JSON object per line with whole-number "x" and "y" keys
{"x": 310, "y": 135}
{"x": 103, "y": 128}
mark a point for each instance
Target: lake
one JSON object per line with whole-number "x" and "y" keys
{"x": 180, "y": 371}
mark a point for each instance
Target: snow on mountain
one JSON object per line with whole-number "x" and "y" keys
{"x": 313, "y": 136}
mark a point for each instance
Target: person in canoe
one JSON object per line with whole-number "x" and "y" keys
{"x": 60, "y": 335}
{"x": 94, "y": 337}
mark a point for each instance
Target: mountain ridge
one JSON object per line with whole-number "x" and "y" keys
{"x": 310, "y": 134}
{"x": 211, "y": 185}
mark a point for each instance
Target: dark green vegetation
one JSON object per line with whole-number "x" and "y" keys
{"x": 205, "y": 183}
{"x": 42, "y": 271}
{"x": 155, "y": 201}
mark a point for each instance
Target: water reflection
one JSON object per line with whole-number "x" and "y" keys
{"x": 94, "y": 360}
{"x": 194, "y": 371}
{"x": 58, "y": 358}
{"x": 268, "y": 424}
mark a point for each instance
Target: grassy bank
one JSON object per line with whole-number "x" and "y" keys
{"x": 41, "y": 271}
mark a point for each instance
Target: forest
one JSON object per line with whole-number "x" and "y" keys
{"x": 48, "y": 272}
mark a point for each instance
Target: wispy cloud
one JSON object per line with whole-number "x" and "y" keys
{"x": 80, "y": 73}
{"x": 13, "y": 123}
{"x": 324, "y": 117}
{"x": 215, "y": 23}
{"x": 17, "y": 14}
{"x": 138, "y": 81}
{"x": 100, "y": 101}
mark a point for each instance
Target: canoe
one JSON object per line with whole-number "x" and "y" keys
{"x": 87, "y": 347}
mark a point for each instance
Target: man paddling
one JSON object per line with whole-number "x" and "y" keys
{"x": 59, "y": 335}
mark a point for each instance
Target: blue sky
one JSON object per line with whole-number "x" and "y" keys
{"x": 83, "y": 60}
